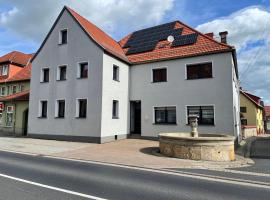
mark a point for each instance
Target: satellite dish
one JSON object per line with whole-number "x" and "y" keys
{"x": 170, "y": 38}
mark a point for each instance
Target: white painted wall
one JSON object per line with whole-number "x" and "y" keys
{"x": 114, "y": 90}
{"x": 180, "y": 92}
{"x": 79, "y": 48}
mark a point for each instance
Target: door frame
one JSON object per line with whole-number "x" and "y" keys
{"x": 132, "y": 117}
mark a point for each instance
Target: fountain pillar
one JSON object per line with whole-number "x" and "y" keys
{"x": 193, "y": 120}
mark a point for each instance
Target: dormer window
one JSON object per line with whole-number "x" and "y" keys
{"x": 63, "y": 36}
{"x": 4, "y": 70}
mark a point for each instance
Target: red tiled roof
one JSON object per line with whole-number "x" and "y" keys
{"x": 23, "y": 74}
{"x": 20, "y": 96}
{"x": 267, "y": 110}
{"x": 252, "y": 98}
{"x": 100, "y": 37}
{"x": 204, "y": 45}
{"x": 16, "y": 57}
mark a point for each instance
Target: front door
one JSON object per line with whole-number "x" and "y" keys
{"x": 135, "y": 123}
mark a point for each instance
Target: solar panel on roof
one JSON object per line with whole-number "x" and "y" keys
{"x": 147, "y": 39}
{"x": 185, "y": 40}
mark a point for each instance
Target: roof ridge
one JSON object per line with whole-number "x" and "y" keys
{"x": 206, "y": 36}
{"x": 72, "y": 12}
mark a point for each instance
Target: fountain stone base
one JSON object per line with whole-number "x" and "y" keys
{"x": 211, "y": 147}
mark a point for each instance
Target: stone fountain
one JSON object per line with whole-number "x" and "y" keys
{"x": 195, "y": 146}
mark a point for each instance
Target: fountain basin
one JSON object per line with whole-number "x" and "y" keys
{"x": 211, "y": 147}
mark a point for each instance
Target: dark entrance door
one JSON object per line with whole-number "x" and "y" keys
{"x": 135, "y": 117}
{"x": 25, "y": 122}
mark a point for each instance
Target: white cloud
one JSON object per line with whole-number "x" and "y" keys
{"x": 249, "y": 31}
{"x": 33, "y": 19}
{"x": 245, "y": 26}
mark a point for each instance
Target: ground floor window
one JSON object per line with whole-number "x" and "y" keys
{"x": 81, "y": 108}
{"x": 244, "y": 121}
{"x": 205, "y": 114}
{"x": 165, "y": 115}
{"x": 9, "y": 119}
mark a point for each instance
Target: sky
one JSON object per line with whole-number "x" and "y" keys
{"x": 24, "y": 25}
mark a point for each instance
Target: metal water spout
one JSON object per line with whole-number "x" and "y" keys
{"x": 193, "y": 120}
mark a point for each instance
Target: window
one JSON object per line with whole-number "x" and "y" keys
{"x": 205, "y": 114}
{"x": 62, "y": 73}
{"x": 43, "y": 109}
{"x": 115, "y": 108}
{"x": 115, "y": 73}
{"x": 83, "y": 70}
{"x": 159, "y": 75}
{"x": 198, "y": 71}
{"x": 244, "y": 122}
{"x": 14, "y": 89}
{"x": 5, "y": 70}
{"x": 3, "y": 91}
{"x": 243, "y": 109}
{"x": 45, "y": 75}
{"x": 22, "y": 88}
{"x": 9, "y": 120}
{"x": 63, "y": 36}
{"x": 81, "y": 108}
{"x": 60, "y": 108}
{"x": 165, "y": 115}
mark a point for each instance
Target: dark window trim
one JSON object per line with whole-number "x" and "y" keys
{"x": 80, "y": 70}
{"x": 61, "y": 35}
{"x": 43, "y": 75}
{"x": 166, "y": 116}
{"x": 59, "y": 71}
{"x": 245, "y": 109}
{"x": 79, "y": 109}
{"x": 115, "y": 110}
{"x": 200, "y": 117}
{"x": 58, "y": 110}
{"x": 160, "y": 68}
{"x": 42, "y": 109}
{"x": 117, "y": 73}
{"x": 199, "y": 63}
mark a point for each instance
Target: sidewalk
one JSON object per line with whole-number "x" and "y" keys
{"x": 132, "y": 152}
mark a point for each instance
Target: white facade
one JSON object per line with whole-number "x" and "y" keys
{"x": 135, "y": 84}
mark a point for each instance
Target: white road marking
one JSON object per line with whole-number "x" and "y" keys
{"x": 52, "y": 188}
{"x": 242, "y": 182}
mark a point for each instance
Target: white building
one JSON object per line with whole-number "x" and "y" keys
{"x": 86, "y": 86}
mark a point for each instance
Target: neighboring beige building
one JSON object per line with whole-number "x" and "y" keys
{"x": 251, "y": 113}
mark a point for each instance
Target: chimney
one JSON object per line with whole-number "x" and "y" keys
{"x": 223, "y": 36}
{"x": 211, "y": 35}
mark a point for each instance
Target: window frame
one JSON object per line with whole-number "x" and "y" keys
{"x": 14, "y": 86}
{"x": 60, "y": 41}
{"x": 78, "y": 108}
{"x": 12, "y": 114}
{"x": 166, "y": 115}
{"x": 57, "y": 108}
{"x": 79, "y": 75}
{"x": 6, "y": 71}
{"x": 42, "y": 75}
{"x": 1, "y": 92}
{"x": 115, "y": 115}
{"x": 245, "y": 109}
{"x": 58, "y": 74}
{"x": 159, "y": 68}
{"x": 117, "y": 78}
{"x": 40, "y": 110}
{"x": 198, "y": 63}
{"x": 202, "y": 105}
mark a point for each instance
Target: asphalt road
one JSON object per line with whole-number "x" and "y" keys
{"x": 109, "y": 182}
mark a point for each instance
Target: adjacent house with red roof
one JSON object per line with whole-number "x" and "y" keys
{"x": 252, "y": 113}
{"x": 15, "y": 74}
{"x": 267, "y": 116}
{"x": 87, "y": 86}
